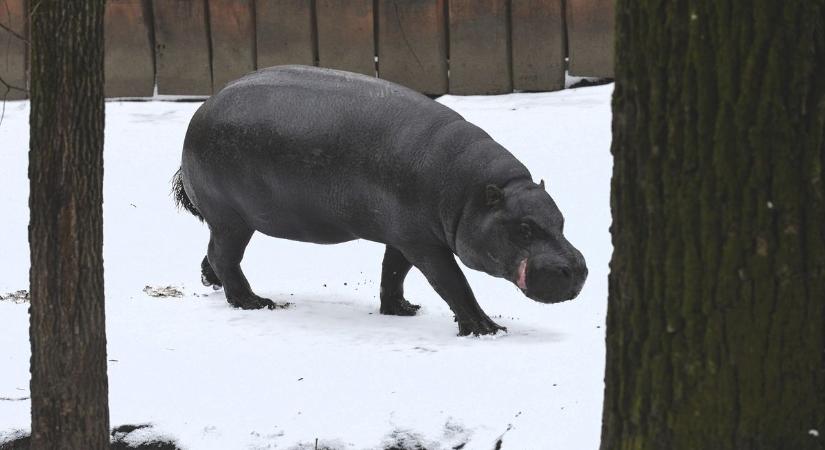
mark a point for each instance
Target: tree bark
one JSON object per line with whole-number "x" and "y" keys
{"x": 716, "y": 311}
{"x": 69, "y": 387}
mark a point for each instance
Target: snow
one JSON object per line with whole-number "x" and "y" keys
{"x": 330, "y": 367}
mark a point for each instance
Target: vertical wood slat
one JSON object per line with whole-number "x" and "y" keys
{"x": 590, "y": 36}
{"x": 232, "y": 28}
{"x": 538, "y": 45}
{"x": 345, "y": 35}
{"x": 13, "y": 51}
{"x": 129, "y": 57}
{"x": 182, "y": 47}
{"x": 412, "y": 44}
{"x": 479, "y": 53}
{"x": 284, "y": 32}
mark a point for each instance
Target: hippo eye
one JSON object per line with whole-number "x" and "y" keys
{"x": 526, "y": 231}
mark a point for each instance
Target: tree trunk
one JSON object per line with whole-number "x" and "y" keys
{"x": 69, "y": 388}
{"x": 716, "y": 314}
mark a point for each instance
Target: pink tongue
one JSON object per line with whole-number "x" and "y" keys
{"x": 522, "y": 274}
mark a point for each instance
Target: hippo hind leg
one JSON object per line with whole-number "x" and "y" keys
{"x": 227, "y": 244}
{"x": 393, "y": 272}
{"x": 208, "y": 275}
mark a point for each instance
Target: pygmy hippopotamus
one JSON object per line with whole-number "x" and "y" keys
{"x": 326, "y": 156}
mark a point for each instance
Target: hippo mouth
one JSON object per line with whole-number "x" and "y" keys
{"x": 521, "y": 279}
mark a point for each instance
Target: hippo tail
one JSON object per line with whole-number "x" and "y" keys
{"x": 181, "y": 199}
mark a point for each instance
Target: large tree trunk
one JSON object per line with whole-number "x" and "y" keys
{"x": 69, "y": 388}
{"x": 716, "y": 316}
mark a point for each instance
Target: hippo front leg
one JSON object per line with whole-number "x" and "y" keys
{"x": 439, "y": 267}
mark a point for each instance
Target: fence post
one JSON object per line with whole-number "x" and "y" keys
{"x": 285, "y": 32}
{"x": 128, "y": 54}
{"x": 345, "y": 35}
{"x": 479, "y": 47}
{"x": 590, "y": 36}
{"x": 232, "y": 29}
{"x": 182, "y": 47}
{"x": 537, "y": 28}
{"x": 412, "y": 44}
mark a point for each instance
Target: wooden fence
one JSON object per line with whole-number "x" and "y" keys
{"x": 193, "y": 47}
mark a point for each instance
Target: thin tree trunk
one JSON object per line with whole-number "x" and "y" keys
{"x": 716, "y": 315}
{"x": 69, "y": 387}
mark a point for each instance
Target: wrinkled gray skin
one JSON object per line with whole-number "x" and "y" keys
{"x": 325, "y": 156}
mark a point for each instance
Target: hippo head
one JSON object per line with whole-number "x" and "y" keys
{"x": 516, "y": 233}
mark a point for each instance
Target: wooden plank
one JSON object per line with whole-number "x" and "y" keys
{"x": 537, "y": 33}
{"x": 345, "y": 35}
{"x": 479, "y": 54}
{"x": 13, "y": 50}
{"x": 590, "y": 37}
{"x": 232, "y": 26}
{"x": 412, "y": 44}
{"x": 182, "y": 47}
{"x": 284, "y": 32}
{"x": 129, "y": 58}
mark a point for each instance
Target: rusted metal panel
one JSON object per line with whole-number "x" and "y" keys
{"x": 13, "y": 49}
{"x": 232, "y": 26}
{"x": 537, "y": 33}
{"x": 182, "y": 47}
{"x": 129, "y": 58}
{"x": 412, "y": 44}
{"x": 590, "y": 37}
{"x": 479, "y": 53}
{"x": 345, "y": 35}
{"x": 284, "y": 32}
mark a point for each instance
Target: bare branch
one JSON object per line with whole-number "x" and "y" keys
{"x": 7, "y": 28}
{"x": 11, "y": 87}
{"x": 13, "y": 33}
{"x": 3, "y": 113}
{"x": 8, "y": 89}
{"x": 5, "y": 96}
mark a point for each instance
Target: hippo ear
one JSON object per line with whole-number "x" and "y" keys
{"x": 494, "y": 194}
{"x": 541, "y": 184}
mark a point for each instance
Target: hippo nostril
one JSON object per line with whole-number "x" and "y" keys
{"x": 565, "y": 272}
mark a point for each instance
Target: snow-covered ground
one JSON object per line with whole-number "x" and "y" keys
{"x": 329, "y": 368}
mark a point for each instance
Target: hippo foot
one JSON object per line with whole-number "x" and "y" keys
{"x": 216, "y": 285}
{"x": 479, "y": 327}
{"x": 209, "y": 277}
{"x": 398, "y": 307}
{"x": 252, "y": 301}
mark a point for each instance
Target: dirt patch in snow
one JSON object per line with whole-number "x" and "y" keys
{"x": 21, "y": 296}
{"x": 123, "y": 437}
{"x": 163, "y": 291}
{"x": 140, "y": 436}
